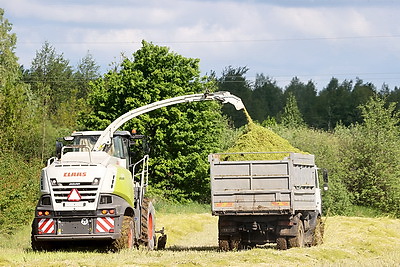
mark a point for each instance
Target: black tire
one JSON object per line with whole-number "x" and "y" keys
{"x": 235, "y": 243}
{"x": 298, "y": 240}
{"x": 148, "y": 231}
{"x": 281, "y": 243}
{"x": 38, "y": 245}
{"x": 318, "y": 235}
{"x": 223, "y": 243}
{"x": 127, "y": 238}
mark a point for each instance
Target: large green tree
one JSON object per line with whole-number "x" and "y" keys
{"x": 17, "y": 108}
{"x": 181, "y": 136}
{"x": 18, "y": 138}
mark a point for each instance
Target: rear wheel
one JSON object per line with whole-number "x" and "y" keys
{"x": 235, "y": 243}
{"x": 223, "y": 243}
{"x": 298, "y": 240}
{"x": 126, "y": 240}
{"x": 148, "y": 226}
{"x": 282, "y": 243}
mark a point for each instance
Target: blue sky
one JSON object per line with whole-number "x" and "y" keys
{"x": 311, "y": 39}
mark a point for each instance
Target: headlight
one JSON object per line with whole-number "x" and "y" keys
{"x": 96, "y": 181}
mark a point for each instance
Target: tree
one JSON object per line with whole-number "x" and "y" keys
{"x": 51, "y": 78}
{"x": 267, "y": 99}
{"x": 291, "y": 116}
{"x": 87, "y": 70}
{"x": 360, "y": 95}
{"x": 17, "y": 108}
{"x": 306, "y": 97}
{"x": 334, "y": 105}
{"x": 181, "y": 136}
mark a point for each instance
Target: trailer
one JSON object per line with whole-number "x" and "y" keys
{"x": 266, "y": 201}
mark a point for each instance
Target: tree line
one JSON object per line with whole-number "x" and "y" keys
{"x": 337, "y": 103}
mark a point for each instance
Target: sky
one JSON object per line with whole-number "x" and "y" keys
{"x": 309, "y": 39}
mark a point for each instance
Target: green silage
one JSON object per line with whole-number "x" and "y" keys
{"x": 259, "y": 139}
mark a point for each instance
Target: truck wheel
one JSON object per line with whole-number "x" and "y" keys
{"x": 298, "y": 240}
{"x": 148, "y": 237}
{"x": 318, "y": 233}
{"x": 234, "y": 243}
{"x": 282, "y": 243}
{"x": 126, "y": 240}
{"x": 223, "y": 244}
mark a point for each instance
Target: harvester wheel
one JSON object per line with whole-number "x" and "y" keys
{"x": 148, "y": 236}
{"x": 126, "y": 240}
{"x": 282, "y": 243}
{"x": 318, "y": 233}
{"x": 298, "y": 240}
{"x": 39, "y": 245}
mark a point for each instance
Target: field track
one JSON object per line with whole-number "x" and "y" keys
{"x": 192, "y": 241}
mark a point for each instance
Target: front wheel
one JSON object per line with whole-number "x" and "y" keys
{"x": 126, "y": 240}
{"x": 148, "y": 236}
{"x": 298, "y": 240}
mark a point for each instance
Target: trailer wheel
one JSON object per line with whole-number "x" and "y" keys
{"x": 148, "y": 237}
{"x": 126, "y": 240}
{"x": 318, "y": 233}
{"x": 282, "y": 243}
{"x": 298, "y": 240}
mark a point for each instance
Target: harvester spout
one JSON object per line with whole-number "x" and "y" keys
{"x": 226, "y": 97}
{"x": 106, "y": 137}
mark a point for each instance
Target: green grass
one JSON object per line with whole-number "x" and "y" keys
{"x": 192, "y": 241}
{"x": 168, "y": 207}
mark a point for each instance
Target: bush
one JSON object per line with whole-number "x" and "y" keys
{"x": 20, "y": 191}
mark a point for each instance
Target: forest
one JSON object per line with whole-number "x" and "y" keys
{"x": 351, "y": 126}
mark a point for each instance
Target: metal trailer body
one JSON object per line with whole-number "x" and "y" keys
{"x": 266, "y": 201}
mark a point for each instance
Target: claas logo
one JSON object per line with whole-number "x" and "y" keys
{"x": 74, "y": 174}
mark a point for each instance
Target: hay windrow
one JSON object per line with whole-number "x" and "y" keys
{"x": 259, "y": 139}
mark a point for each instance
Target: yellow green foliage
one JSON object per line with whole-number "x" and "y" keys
{"x": 260, "y": 139}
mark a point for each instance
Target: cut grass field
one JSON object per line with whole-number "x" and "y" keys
{"x": 192, "y": 240}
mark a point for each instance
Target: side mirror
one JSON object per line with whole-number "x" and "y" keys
{"x": 59, "y": 146}
{"x": 325, "y": 178}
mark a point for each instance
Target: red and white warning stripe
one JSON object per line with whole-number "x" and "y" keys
{"x": 46, "y": 226}
{"x": 104, "y": 224}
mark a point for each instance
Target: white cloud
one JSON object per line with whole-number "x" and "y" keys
{"x": 279, "y": 38}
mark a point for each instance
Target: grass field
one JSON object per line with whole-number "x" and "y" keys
{"x": 192, "y": 241}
